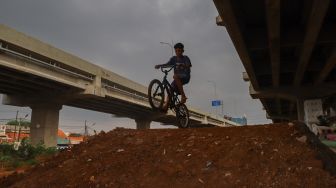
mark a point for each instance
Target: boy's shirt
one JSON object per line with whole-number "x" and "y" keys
{"x": 179, "y": 69}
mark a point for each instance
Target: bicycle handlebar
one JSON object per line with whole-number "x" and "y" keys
{"x": 167, "y": 66}
{"x": 171, "y": 67}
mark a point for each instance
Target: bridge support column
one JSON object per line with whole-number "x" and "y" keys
{"x": 44, "y": 124}
{"x": 205, "y": 120}
{"x": 300, "y": 110}
{"x": 142, "y": 123}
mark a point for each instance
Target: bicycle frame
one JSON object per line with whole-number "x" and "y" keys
{"x": 173, "y": 96}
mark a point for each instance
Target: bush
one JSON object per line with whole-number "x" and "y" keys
{"x": 5, "y": 158}
{"x": 7, "y": 149}
{"x": 26, "y": 153}
{"x": 26, "y": 150}
{"x": 50, "y": 150}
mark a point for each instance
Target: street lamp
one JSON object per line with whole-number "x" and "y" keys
{"x": 171, "y": 46}
{"x": 221, "y": 102}
{"x": 214, "y": 83}
{"x": 20, "y": 119}
{"x": 215, "y": 98}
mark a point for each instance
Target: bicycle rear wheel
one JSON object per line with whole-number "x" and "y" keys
{"x": 156, "y": 94}
{"x": 182, "y": 116}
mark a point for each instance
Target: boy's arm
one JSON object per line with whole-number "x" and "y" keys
{"x": 170, "y": 62}
{"x": 188, "y": 63}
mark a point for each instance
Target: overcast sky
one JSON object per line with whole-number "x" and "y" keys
{"x": 124, "y": 36}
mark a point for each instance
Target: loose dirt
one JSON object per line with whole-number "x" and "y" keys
{"x": 278, "y": 155}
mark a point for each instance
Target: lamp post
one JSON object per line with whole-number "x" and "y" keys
{"x": 171, "y": 46}
{"x": 20, "y": 119}
{"x": 214, "y": 84}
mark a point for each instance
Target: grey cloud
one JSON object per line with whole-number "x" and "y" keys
{"x": 123, "y": 36}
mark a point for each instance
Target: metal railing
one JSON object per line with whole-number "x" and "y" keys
{"x": 46, "y": 64}
{"x": 128, "y": 93}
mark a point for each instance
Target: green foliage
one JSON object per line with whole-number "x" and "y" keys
{"x": 31, "y": 162}
{"x": 7, "y": 149}
{"x": 50, "y": 150}
{"x": 5, "y": 158}
{"x": 23, "y": 123}
{"x": 26, "y": 153}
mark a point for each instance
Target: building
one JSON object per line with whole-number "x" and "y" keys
{"x": 75, "y": 138}
{"x": 12, "y": 133}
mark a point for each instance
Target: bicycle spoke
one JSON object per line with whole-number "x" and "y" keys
{"x": 155, "y": 93}
{"x": 182, "y": 115}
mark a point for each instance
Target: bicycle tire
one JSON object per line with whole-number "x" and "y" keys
{"x": 157, "y": 97}
{"x": 182, "y": 116}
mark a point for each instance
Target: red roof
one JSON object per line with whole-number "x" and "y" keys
{"x": 61, "y": 134}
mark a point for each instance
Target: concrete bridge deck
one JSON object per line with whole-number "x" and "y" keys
{"x": 45, "y": 78}
{"x": 288, "y": 49}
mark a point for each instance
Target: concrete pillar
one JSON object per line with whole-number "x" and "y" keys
{"x": 205, "y": 120}
{"x": 97, "y": 85}
{"x": 44, "y": 124}
{"x": 300, "y": 109}
{"x": 142, "y": 123}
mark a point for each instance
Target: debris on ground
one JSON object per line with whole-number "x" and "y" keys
{"x": 247, "y": 156}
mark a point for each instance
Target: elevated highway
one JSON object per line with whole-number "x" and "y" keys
{"x": 45, "y": 78}
{"x": 288, "y": 49}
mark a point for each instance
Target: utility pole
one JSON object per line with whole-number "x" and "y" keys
{"x": 16, "y": 120}
{"x": 18, "y": 139}
{"x": 20, "y": 119}
{"x": 85, "y": 129}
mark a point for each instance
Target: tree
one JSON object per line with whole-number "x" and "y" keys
{"x": 22, "y": 123}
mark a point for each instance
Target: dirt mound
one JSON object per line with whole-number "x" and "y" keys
{"x": 251, "y": 156}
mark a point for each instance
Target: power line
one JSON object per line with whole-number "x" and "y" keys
{"x": 71, "y": 119}
{"x": 72, "y": 126}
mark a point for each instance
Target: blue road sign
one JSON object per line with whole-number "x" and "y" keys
{"x": 216, "y": 103}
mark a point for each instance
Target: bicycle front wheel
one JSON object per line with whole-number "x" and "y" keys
{"x": 182, "y": 116}
{"x": 156, "y": 94}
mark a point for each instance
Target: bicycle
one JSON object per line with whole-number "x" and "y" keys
{"x": 156, "y": 95}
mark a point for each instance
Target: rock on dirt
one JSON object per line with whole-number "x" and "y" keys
{"x": 249, "y": 156}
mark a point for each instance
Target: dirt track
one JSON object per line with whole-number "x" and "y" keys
{"x": 250, "y": 156}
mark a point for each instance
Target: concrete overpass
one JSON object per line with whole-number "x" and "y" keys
{"x": 288, "y": 49}
{"x": 45, "y": 78}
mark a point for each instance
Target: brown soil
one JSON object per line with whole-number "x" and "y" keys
{"x": 5, "y": 172}
{"x": 250, "y": 156}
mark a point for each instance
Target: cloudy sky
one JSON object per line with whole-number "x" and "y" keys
{"x": 124, "y": 36}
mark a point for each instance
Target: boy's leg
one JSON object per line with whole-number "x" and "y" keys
{"x": 166, "y": 104}
{"x": 180, "y": 88}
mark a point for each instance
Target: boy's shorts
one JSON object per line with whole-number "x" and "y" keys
{"x": 184, "y": 79}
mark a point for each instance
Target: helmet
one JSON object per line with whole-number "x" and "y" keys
{"x": 179, "y": 45}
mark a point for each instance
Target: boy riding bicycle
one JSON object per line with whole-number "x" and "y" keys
{"x": 181, "y": 72}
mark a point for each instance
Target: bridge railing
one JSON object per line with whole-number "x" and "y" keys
{"x": 57, "y": 66}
